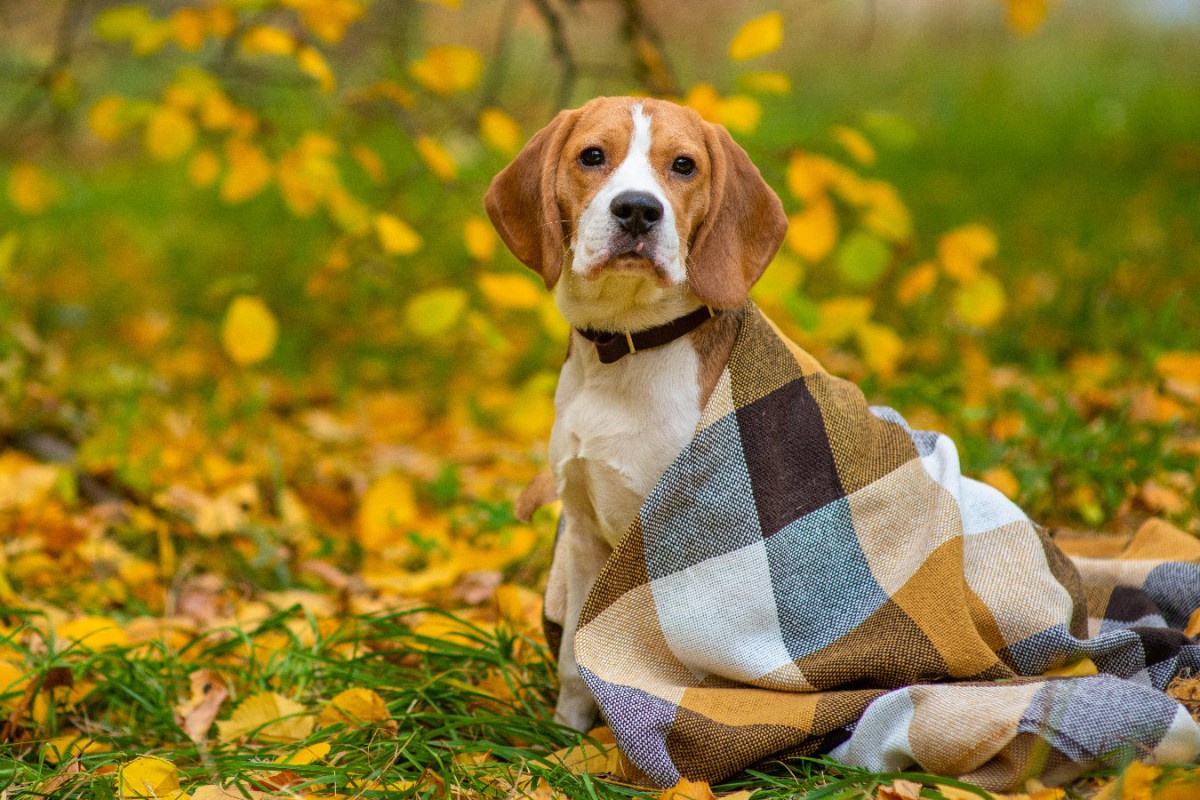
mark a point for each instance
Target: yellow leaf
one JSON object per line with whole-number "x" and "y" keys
{"x": 106, "y": 118}
{"x": 446, "y": 629}
{"x": 308, "y": 754}
{"x": 355, "y": 707}
{"x": 349, "y": 212}
{"x": 881, "y": 348}
{"x": 370, "y": 161}
{"x": 221, "y": 20}
{"x": 766, "y": 82}
{"x": 1077, "y": 669}
{"x": 437, "y": 158}
{"x": 980, "y": 302}
{"x": 248, "y": 174}
{"x": 704, "y": 98}
{"x": 169, "y": 133}
{"x": 393, "y": 91}
{"x": 267, "y": 717}
{"x": 313, "y": 64}
{"x": 842, "y": 316}
{"x": 520, "y": 607}
{"x": 739, "y": 113}
{"x": 1002, "y": 478}
{"x": 451, "y": 4}
{"x": 757, "y": 37}
{"x": 268, "y": 40}
{"x": 808, "y": 175}
{"x": 64, "y": 748}
{"x": 501, "y": 132}
{"x": 434, "y": 312}
{"x": 204, "y": 168}
{"x": 588, "y": 758}
{"x": 964, "y": 249}
{"x": 479, "y": 238}
{"x": 249, "y": 332}
{"x": 918, "y": 283}
{"x": 885, "y": 214}
{"x": 1026, "y": 16}
{"x": 855, "y": 144}
{"x": 1179, "y": 366}
{"x": 510, "y": 290}
{"x": 189, "y": 27}
{"x": 30, "y": 190}
{"x": 123, "y": 22}
{"x": 216, "y": 112}
{"x": 688, "y": 790}
{"x": 328, "y": 18}
{"x": 386, "y": 513}
{"x": 148, "y": 777}
{"x": 93, "y": 633}
{"x": 1136, "y": 781}
{"x": 448, "y": 69}
{"x": 152, "y": 38}
{"x": 396, "y": 237}
{"x": 813, "y": 232}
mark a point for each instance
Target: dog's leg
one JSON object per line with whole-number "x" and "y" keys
{"x": 585, "y": 553}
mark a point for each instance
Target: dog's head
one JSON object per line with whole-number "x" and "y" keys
{"x": 633, "y": 209}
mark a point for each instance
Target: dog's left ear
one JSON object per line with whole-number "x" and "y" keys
{"x": 523, "y": 205}
{"x": 742, "y": 230}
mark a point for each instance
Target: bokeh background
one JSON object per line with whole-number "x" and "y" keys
{"x": 259, "y": 345}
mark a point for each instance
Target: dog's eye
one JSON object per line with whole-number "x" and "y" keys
{"x": 592, "y": 157}
{"x": 683, "y": 165}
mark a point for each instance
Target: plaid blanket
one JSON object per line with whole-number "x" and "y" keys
{"x": 812, "y": 575}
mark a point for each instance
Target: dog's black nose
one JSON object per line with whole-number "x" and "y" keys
{"x": 636, "y": 212}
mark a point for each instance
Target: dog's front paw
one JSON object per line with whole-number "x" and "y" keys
{"x": 576, "y": 708}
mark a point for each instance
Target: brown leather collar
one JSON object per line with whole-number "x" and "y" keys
{"x": 613, "y": 346}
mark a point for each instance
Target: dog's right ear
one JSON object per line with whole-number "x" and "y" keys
{"x": 523, "y": 205}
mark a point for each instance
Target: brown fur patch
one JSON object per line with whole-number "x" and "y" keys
{"x": 713, "y": 342}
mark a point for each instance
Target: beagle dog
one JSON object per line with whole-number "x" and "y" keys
{"x": 649, "y": 225}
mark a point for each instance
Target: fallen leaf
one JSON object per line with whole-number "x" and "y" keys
{"x": 267, "y": 717}
{"x": 899, "y": 790}
{"x": 148, "y": 777}
{"x": 249, "y": 331}
{"x": 395, "y": 236}
{"x": 813, "y": 232}
{"x": 501, "y": 132}
{"x": 757, "y": 37}
{"x": 197, "y": 714}
{"x": 354, "y": 707}
{"x": 448, "y": 69}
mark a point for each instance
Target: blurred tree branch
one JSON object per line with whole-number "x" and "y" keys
{"x": 562, "y": 51}
{"x": 650, "y": 65}
{"x": 39, "y": 90}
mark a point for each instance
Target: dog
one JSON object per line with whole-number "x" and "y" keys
{"x": 649, "y": 225}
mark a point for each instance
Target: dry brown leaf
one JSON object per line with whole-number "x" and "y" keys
{"x": 899, "y": 790}
{"x": 196, "y": 715}
{"x": 539, "y": 492}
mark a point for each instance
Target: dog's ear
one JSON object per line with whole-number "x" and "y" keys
{"x": 742, "y": 230}
{"x": 522, "y": 203}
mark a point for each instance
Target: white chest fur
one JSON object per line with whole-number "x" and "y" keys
{"x": 618, "y": 427}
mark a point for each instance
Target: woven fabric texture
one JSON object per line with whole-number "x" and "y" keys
{"x": 812, "y": 575}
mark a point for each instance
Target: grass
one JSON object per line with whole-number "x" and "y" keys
{"x": 454, "y": 731}
{"x": 1077, "y": 146}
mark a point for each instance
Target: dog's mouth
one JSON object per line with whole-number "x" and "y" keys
{"x": 630, "y": 255}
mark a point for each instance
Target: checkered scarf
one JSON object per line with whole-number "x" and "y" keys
{"x": 812, "y": 575}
